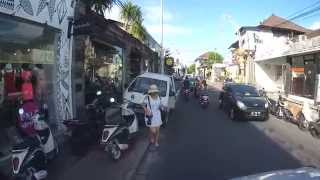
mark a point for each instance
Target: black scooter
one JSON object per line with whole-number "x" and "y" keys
{"x": 86, "y": 131}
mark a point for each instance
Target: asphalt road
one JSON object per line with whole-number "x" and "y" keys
{"x": 205, "y": 144}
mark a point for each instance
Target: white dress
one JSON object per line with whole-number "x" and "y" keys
{"x": 155, "y": 109}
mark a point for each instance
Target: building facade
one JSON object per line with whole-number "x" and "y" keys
{"x": 256, "y": 44}
{"x": 34, "y": 41}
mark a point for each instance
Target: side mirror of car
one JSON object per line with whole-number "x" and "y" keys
{"x": 172, "y": 93}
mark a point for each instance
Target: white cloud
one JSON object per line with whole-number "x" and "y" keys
{"x": 315, "y": 25}
{"x": 229, "y": 18}
{"x": 114, "y": 14}
{"x": 168, "y": 29}
{"x": 152, "y": 14}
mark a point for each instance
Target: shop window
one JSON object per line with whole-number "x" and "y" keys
{"x": 303, "y": 73}
{"x": 27, "y": 68}
{"x": 104, "y": 72}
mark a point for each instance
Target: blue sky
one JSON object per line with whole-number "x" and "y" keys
{"x": 193, "y": 27}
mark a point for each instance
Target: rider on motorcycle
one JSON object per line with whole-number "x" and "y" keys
{"x": 186, "y": 83}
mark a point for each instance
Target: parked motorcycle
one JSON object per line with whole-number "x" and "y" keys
{"x": 186, "y": 94}
{"x": 115, "y": 137}
{"x": 204, "y": 100}
{"x": 29, "y": 157}
{"x": 86, "y": 131}
{"x": 272, "y": 104}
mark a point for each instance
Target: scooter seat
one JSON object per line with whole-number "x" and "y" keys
{"x": 27, "y": 143}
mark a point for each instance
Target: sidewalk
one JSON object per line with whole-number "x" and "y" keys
{"x": 97, "y": 165}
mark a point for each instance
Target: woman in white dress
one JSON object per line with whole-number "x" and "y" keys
{"x": 152, "y": 108}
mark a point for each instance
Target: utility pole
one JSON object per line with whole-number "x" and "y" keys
{"x": 162, "y": 49}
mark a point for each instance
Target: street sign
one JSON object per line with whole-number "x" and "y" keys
{"x": 169, "y": 61}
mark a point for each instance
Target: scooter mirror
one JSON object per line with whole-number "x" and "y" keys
{"x": 21, "y": 111}
{"x": 99, "y": 93}
{"x": 112, "y": 100}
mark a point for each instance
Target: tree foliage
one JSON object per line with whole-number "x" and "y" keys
{"x": 131, "y": 15}
{"x": 191, "y": 69}
{"x": 100, "y": 6}
{"x": 138, "y": 31}
{"x": 213, "y": 58}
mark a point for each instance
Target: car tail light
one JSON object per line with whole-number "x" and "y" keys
{"x": 15, "y": 163}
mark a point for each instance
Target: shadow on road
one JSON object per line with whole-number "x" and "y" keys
{"x": 205, "y": 144}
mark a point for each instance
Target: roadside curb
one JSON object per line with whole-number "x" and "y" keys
{"x": 132, "y": 175}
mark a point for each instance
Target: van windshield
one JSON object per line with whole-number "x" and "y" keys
{"x": 141, "y": 85}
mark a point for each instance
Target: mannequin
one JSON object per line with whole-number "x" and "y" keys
{"x": 9, "y": 80}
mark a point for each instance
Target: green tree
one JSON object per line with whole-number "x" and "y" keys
{"x": 138, "y": 31}
{"x": 100, "y": 6}
{"x": 191, "y": 69}
{"x": 131, "y": 15}
{"x": 213, "y": 58}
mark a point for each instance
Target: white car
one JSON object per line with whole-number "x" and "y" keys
{"x": 138, "y": 88}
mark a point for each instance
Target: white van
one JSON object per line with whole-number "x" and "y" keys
{"x": 138, "y": 88}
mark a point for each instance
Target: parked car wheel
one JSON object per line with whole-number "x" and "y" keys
{"x": 166, "y": 118}
{"x": 232, "y": 114}
{"x": 303, "y": 124}
{"x": 220, "y": 103}
{"x": 314, "y": 132}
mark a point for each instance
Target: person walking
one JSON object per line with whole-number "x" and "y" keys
{"x": 152, "y": 107}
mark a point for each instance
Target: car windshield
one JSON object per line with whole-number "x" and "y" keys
{"x": 142, "y": 84}
{"x": 245, "y": 91}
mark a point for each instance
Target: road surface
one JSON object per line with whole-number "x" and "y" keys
{"x": 205, "y": 144}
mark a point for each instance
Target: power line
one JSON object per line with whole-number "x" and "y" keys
{"x": 308, "y": 7}
{"x": 311, "y": 11}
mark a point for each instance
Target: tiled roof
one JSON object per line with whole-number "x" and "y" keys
{"x": 277, "y": 22}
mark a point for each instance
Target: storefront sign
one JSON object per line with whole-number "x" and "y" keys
{"x": 36, "y": 56}
{"x": 42, "y": 56}
{"x": 169, "y": 61}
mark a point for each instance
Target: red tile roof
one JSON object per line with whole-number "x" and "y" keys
{"x": 277, "y": 22}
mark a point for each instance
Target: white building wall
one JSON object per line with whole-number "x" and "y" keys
{"x": 267, "y": 45}
{"x": 54, "y": 13}
{"x": 264, "y": 42}
{"x": 269, "y": 74}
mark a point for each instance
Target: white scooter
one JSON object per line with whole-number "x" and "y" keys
{"x": 29, "y": 157}
{"x": 115, "y": 138}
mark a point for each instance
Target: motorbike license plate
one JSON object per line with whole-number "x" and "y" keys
{"x": 205, "y": 98}
{"x": 255, "y": 113}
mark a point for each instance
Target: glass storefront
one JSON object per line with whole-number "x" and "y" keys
{"x": 104, "y": 71}
{"x": 27, "y": 71}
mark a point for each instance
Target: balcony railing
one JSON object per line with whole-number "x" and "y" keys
{"x": 303, "y": 46}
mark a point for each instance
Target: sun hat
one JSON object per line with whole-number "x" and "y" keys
{"x": 153, "y": 89}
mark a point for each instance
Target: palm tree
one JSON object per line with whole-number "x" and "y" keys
{"x": 130, "y": 14}
{"x": 100, "y": 6}
{"x": 138, "y": 31}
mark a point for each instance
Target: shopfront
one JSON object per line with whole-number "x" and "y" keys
{"x": 104, "y": 71}
{"x": 35, "y": 65}
{"x": 27, "y": 72}
{"x": 302, "y": 75}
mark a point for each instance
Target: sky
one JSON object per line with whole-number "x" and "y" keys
{"x": 193, "y": 27}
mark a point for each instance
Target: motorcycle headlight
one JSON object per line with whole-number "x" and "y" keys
{"x": 241, "y": 105}
{"x": 266, "y": 105}
{"x": 21, "y": 111}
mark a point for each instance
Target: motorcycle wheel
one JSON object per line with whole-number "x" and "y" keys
{"x": 303, "y": 123}
{"x": 232, "y": 114}
{"x": 314, "y": 133}
{"x": 115, "y": 151}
